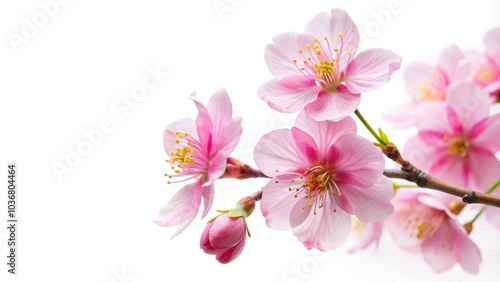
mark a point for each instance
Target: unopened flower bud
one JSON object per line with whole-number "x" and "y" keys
{"x": 456, "y": 206}
{"x": 468, "y": 227}
{"x": 224, "y": 237}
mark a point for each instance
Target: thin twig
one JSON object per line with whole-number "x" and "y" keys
{"x": 422, "y": 179}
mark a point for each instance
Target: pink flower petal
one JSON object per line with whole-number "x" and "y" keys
{"x": 290, "y": 94}
{"x": 280, "y": 54}
{"x": 326, "y": 230}
{"x": 169, "y": 136}
{"x": 371, "y": 69}
{"x": 325, "y": 133}
{"x": 452, "y": 169}
{"x": 367, "y": 234}
{"x": 330, "y": 26}
{"x": 182, "y": 208}
{"x": 487, "y": 134}
{"x": 301, "y": 211}
{"x": 277, "y": 151}
{"x": 204, "y": 124}
{"x": 467, "y": 252}
{"x": 423, "y": 154}
{"x": 356, "y": 161}
{"x": 438, "y": 250}
{"x": 216, "y": 168}
{"x": 226, "y": 131}
{"x": 369, "y": 204}
{"x": 425, "y": 82}
{"x": 226, "y": 232}
{"x": 333, "y": 106}
{"x": 402, "y": 116}
{"x": 493, "y": 216}
{"x": 306, "y": 144}
{"x": 208, "y": 199}
{"x": 484, "y": 169}
{"x": 470, "y": 102}
{"x": 432, "y": 116}
{"x": 454, "y": 64}
{"x": 492, "y": 45}
{"x": 277, "y": 202}
{"x": 232, "y": 253}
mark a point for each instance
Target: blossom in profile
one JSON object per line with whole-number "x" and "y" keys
{"x": 426, "y": 82}
{"x": 423, "y": 223}
{"x": 458, "y": 139}
{"x": 198, "y": 150}
{"x": 322, "y": 173}
{"x": 319, "y": 70}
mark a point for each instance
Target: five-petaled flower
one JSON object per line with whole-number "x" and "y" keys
{"x": 457, "y": 139}
{"x": 198, "y": 150}
{"x": 322, "y": 173}
{"x": 320, "y": 71}
{"x": 424, "y": 223}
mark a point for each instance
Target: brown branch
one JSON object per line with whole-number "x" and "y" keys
{"x": 411, "y": 173}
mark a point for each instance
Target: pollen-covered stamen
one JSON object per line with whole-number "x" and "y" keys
{"x": 316, "y": 185}
{"x": 322, "y": 63}
{"x": 459, "y": 146}
{"x": 182, "y": 155}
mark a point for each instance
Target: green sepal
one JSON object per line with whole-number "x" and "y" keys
{"x": 383, "y": 136}
{"x": 237, "y": 212}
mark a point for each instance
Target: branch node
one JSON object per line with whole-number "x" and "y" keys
{"x": 469, "y": 198}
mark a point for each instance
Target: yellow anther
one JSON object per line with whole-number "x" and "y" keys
{"x": 326, "y": 38}
{"x": 340, "y": 35}
{"x": 308, "y": 46}
{"x": 315, "y": 39}
{"x": 299, "y": 50}
{"x": 294, "y": 61}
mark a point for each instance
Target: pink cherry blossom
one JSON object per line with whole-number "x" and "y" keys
{"x": 457, "y": 139}
{"x": 425, "y": 82}
{"x": 224, "y": 237}
{"x": 364, "y": 234}
{"x": 318, "y": 70}
{"x": 423, "y": 223}
{"x": 322, "y": 173}
{"x": 486, "y": 67}
{"x": 198, "y": 150}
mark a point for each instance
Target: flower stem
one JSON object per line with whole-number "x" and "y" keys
{"x": 478, "y": 214}
{"x": 493, "y": 187}
{"x": 367, "y": 125}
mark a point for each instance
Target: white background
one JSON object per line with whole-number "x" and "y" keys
{"x": 96, "y": 224}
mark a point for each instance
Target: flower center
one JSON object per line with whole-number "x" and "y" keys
{"x": 421, "y": 222}
{"x": 322, "y": 63}
{"x": 317, "y": 187}
{"x": 459, "y": 147}
{"x": 484, "y": 75}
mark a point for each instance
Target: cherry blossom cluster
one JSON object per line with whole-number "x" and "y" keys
{"x": 325, "y": 180}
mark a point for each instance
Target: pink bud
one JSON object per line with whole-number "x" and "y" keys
{"x": 224, "y": 237}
